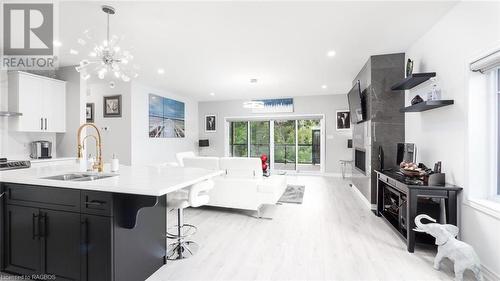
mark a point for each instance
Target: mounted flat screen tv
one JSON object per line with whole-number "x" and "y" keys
{"x": 356, "y": 104}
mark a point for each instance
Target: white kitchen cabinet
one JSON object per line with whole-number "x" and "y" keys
{"x": 41, "y": 100}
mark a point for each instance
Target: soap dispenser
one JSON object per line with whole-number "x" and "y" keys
{"x": 90, "y": 163}
{"x": 115, "y": 164}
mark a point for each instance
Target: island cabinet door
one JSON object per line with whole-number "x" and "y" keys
{"x": 22, "y": 240}
{"x": 97, "y": 259}
{"x": 60, "y": 239}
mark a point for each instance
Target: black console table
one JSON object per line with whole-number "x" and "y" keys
{"x": 400, "y": 199}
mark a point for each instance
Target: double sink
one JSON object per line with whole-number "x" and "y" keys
{"x": 80, "y": 177}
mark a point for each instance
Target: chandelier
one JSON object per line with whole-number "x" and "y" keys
{"x": 107, "y": 60}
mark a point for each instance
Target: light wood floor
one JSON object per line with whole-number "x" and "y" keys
{"x": 331, "y": 236}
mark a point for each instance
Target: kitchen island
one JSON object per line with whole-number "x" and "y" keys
{"x": 57, "y": 222}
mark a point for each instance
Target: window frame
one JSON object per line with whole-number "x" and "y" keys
{"x": 248, "y": 143}
{"x": 302, "y": 145}
{"x": 232, "y": 143}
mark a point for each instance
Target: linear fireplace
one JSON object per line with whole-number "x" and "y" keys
{"x": 360, "y": 160}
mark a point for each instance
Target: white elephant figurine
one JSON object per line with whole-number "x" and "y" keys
{"x": 461, "y": 253}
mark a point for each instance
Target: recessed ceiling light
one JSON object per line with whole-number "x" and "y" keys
{"x": 324, "y": 86}
{"x": 253, "y": 80}
{"x": 212, "y": 94}
{"x": 331, "y": 53}
{"x": 161, "y": 71}
{"x": 57, "y": 43}
{"x": 73, "y": 52}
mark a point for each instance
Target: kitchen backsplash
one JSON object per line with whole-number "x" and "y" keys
{"x": 16, "y": 145}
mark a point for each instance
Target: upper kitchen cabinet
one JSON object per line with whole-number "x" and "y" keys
{"x": 41, "y": 100}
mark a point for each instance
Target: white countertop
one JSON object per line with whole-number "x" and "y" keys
{"x": 144, "y": 180}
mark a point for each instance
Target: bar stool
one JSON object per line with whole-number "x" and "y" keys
{"x": 196, "y": 196}
{"x": 343, "y": 166}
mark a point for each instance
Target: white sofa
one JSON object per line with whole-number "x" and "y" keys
{"x": 242, "y": 185}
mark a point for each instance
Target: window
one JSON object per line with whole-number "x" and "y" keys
{"x": 259, "y": 138}
{"x": 239, "y": 139}
{"x": 256, "y": 141}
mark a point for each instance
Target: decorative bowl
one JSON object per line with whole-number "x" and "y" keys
{"x": 412, "y": 173}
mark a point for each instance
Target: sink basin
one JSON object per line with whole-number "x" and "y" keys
{"x": 80, "y": 177}
{"x": 94, "y": 177}
{"x": 66, "y": 177}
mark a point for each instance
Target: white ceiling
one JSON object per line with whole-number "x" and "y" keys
{"x": 218, "y": 47}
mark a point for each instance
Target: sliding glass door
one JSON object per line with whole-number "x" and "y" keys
{"x": 285, "y": 145}
{"x": 308, "y": 145}
{"x": 259, "y": 138}
{"x": 291, "y": 145}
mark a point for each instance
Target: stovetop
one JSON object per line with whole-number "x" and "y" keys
{"x": 13, "y": 164}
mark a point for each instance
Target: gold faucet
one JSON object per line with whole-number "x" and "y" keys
{"x": 99, "y": 165}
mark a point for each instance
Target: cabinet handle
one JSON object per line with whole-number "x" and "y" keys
{"x": 45, "y": 124}
{"x": 35, "y": 226}
{"x": 41, "y": 123}
{"x": 95, "y": 203}
{"x": 85, "y": 232}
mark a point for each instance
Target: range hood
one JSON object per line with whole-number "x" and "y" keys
{"x": 9, "y": 114}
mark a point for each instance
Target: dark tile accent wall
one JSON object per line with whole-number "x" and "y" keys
{"x": 386, "y": 122}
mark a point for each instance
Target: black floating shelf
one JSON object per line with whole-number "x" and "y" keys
{"x": 426, "y": 105}
{"x": 413, "y": 80}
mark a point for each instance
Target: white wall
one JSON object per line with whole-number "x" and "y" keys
{"x": 75, "y": 110}
{"x": 146, "y": 150}
{"x": 336, "y": 141}
{"x": 441, "y": 134}
{"x": 117, "y": 138}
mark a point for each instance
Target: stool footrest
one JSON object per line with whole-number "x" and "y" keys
{"x": 187, "y": 230}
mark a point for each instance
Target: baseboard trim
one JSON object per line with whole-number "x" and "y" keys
{"x": 362, "y": 197}
{"x": 488, "y": 274}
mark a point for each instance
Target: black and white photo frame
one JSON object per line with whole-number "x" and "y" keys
{"x": 112, "y": 106}
{"x": 210, "y": 123}
{"x": 343, "y": 120}
{"x": 90, "y": 112}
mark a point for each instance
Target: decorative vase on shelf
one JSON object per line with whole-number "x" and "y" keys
{"x": 416, "y": 99}
{"x": 409, "y": 67}
{"x": 434, "y": 94}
